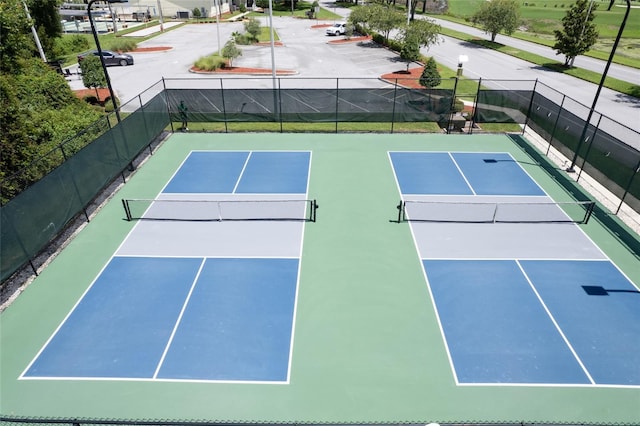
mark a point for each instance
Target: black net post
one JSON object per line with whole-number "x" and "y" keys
{"x": 400, "y": 208}
{"x": 127, "y": 211}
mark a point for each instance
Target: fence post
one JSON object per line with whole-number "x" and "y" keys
{"x": 146, "y": 126}
{"x": 533, "y": 93}
{"x": 164, "y": 85}
{"x": 475, "y": 106}
{"x": 224, "y": 107}
{"x": 586, "y": 154}
{"x": 337, "y": 100}
{"x": 393, "y": 110}
{"x": 280, "y": 105}
{"x": 555, "y": 125}
{"x": 628, "y": 187}
{"x": 453, "y": 104}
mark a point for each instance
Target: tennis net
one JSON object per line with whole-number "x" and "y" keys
{"x": 219, "y": 210}
{"x": 495, "y": 212}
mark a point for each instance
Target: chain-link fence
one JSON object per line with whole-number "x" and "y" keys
{"x": 58, "y": 187}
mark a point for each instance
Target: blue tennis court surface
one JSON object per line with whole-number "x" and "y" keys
{"x": 518, "y": 303}
{"x": 201, "y": 301}
{"x": 253, "y": 172}
{"x": 179, "y": 318}
{"x": 533, "y": 322}
{"x": 461, "y": 173}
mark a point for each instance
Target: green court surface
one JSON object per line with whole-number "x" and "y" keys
{"x": 367, "y": 346}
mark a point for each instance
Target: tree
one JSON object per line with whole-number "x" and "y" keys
{"x": 46, "y": 19}
{"x": 16, "y": 41}
{"x": 420, "y": 33}
{"x": 92, "y": 73}
{"x": 230, "y": 51}
{"x": 430, "y": 76}
{"x": 426, "y": 32}
{"x": 384, "y": 19}
{"x": 38, "y": 111}
{"x": 579, "y": 32}
{"x": 196, "y": 12}
{"x": 360, "y": 15}
{"x": 410, "y": 51}
{"x": 495, "y": 16}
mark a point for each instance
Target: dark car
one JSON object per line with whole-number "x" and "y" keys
{"x": 110, "y": 58}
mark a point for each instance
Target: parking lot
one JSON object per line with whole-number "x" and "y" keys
{"x": 305, "y": 49}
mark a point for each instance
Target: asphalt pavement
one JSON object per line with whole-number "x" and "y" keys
{"x": 306, "y": 51}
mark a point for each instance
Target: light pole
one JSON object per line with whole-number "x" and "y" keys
{"x": 35, "y": 34}
{"x": 571, "y": 168}
{"x": 104, "y": 66}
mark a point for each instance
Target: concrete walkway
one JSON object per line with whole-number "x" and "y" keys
{"x": 152, "y": 29}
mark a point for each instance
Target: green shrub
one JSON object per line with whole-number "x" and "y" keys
{"x": 70, "y": 44}
{"x": 244, "y": 39}
{"x": 210, "y": 63}
{"x": 108, "y": 105}
{"x": 458, "y": 105}
{"x": 122, "y": 44}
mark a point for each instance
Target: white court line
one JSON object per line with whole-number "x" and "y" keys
{"x": 244, "y": 167}
{"x": 555, "y": 323}
{"x": 179, "y": 319}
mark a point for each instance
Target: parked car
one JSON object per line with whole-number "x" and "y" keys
{"x": 110, "y": 58}
{"x": 339, "y": 28}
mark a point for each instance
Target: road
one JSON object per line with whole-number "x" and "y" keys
{"x": 621, "y": 72}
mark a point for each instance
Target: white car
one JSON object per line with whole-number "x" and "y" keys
{"x": 339, "y": 28}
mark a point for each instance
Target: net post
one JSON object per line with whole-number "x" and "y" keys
{"x": 590, "y": 208}
{"x": 314, "y": 207}
{"x": 495, "y": 212}
{"x": 400, "y": 208}
{"x": 127, "y": 211}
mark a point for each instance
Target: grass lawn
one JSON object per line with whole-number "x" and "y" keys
{"x": 541, "y": 17}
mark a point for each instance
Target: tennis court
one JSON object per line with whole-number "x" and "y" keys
{"x": 442, "y": 279}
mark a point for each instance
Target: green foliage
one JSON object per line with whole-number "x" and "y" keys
{"x": 579, "y": 32}
{"x": 15, "y": 40}
{"x": 252, "y": 27}
{"x": 38, "y": 111}
{"x": 230, "y": 51}
{"x": 109, "y": 105}
{"x": 410, "y": 50}
{"x": 384, "y": 19}
{"x": 47, "y": 21}
{"x": 71, "y": 44}
{"x": 196, "y": 12}
{"x": 242, "y": 38}
{"x": 360, "y": 16}
{"x": 498, "y": 15}
{"x": 92, "y": 72}
{"x": 425, "y": 31}
{"x": 210, "y": 63}
{"x": 122, "y": 44}
{"x": 430, "y": 76}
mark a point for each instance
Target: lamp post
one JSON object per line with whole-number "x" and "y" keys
{"x": 571, "y": 168}
{"x": 104, "y": 66}
{"x": 35, "y": 34}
